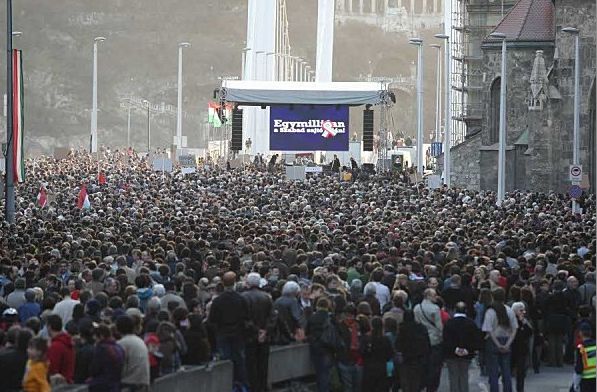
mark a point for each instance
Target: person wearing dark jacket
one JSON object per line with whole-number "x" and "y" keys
{"x": 321, "y": 356}
{"x": 557, "y": 323}
{"x": 61, "y": 353}
{"x": 84, "y": 350}
{"x": 107, "y": 363}
{"x": 260, "y": 316}
{"x": 462, "y": 338}
{"x": 228, "y": 315}
{"x": 414, "y": 347}
{"x": 377, "y": 351}
{"x": 520, "y": 345}
{"x": 13, "y": 358}
{"x": 195, "y": 336}
{"x": 348, "y": 356}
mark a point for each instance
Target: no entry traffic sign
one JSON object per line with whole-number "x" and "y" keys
{"x": 575, "y": 173}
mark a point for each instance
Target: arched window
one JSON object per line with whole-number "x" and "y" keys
{"x": 494, "y": 111}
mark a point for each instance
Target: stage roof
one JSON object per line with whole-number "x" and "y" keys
{"x": 258, "y": 92}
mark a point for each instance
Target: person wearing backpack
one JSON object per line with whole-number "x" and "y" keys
{"x": 413, "y": 347}
{"x": 377, "y": 351}
{"x": 349, "y": 357}
{"x": 320, "y": 330}
{"x": 428, "y": 313}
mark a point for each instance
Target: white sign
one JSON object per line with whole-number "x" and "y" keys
{"x": 434, "y": 181}
{"x": 163, "y": 165}
{"x": 188, "y": 170}
{"x": 313, "y": 169}
{"x": 575, "y": 173}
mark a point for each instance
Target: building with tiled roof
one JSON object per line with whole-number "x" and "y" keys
{"x": 539, "y": 99}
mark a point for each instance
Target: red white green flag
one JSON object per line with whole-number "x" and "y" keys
{"x": 17, "y": 117}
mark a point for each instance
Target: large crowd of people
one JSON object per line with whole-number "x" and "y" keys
{"x": 386, "y": 280}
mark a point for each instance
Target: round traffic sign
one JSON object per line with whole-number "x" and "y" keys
{"x": 575, "y": 191}
{"x": 575, "y": 171}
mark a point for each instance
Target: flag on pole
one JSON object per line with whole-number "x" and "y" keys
{"x": 42, "y": 197}
{"x": 83, "y": 199}
{"x": 212, "y": 109}
{"x": 228, "y": 113}
{"x": 17, "y": 117}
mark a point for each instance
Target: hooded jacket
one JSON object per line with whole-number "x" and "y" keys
{"x": 61, "y": 356}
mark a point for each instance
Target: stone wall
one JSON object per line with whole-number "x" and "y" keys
{"x": 466, "y": 164}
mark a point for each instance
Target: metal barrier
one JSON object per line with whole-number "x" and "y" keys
{"x": 216, "y": 377}
{"x": 289, "y": 363}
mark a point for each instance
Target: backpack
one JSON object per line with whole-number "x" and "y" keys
{"x": 330, "y": 338}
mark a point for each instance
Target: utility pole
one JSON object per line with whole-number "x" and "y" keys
{"x": 10, "y": 187}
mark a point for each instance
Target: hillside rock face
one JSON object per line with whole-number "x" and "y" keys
{"x": 139, "y": 60}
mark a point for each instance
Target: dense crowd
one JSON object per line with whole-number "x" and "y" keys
{"x": 386, "y": 280}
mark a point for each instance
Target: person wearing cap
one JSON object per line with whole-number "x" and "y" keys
{"x": 260, "y": 316}
{"x": 30, "y": 308}
{"x": 584, "y": 368}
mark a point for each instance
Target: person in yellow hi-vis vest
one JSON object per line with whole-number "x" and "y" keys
{"x": 585, "y": 361}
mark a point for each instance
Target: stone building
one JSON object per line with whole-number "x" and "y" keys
{"x": 540, "y": 91}
{"x": 392, "y": 15}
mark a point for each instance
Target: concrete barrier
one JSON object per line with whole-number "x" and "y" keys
{"x": 214, "y": 378}
{"x": 289, "y": 363}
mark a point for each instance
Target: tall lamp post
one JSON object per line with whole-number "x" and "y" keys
{"x": 501, "y": 191}
{"x": 447, "y": 109}
{"x": 148, "y": 104}
{"x": 438, "y": 85}
{"x": 181, "y": 46}
{"x": 575, "y": 138}
{"x": 94, "y": 98}
{"x": 9, "y": 166}
{"x": 418, "y": 42}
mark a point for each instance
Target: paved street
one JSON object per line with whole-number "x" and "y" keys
{"x": 549, "y": 380}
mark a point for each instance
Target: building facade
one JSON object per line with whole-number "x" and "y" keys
{"x": 539, "y": 100}
{"x": 408, "y": 16}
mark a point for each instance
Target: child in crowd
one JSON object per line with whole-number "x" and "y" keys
{"x": 36, "y": 373}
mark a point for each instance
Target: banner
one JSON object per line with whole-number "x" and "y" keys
{"x": 309, "y": 128}
{"x": 17, "y": 117}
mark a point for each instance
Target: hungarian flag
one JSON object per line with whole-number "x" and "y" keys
{"x": 83, "y": 199}
{"x": 17, "y": 116}
{"x": 228, "y": 113}
{"x": 42, "y": 197}
{"x": 102, "y": 178}
{"x": 214, "y": 114}
{"x": 212, "y": 111}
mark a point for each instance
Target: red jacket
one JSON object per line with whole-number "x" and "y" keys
{"x": 61, "y": 356}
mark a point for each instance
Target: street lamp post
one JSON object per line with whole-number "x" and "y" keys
{"x": 418, "y": 42}
{"x": 501, "y": 191}
{"x": 437, "y": 90}
{"x": 128, "y": 125}
{"x": 94, "y": 98}
{"x": 575, "y": 138}
{"x": 181, "y": 46}
{"x": 148, "y": 104}
{"x": 447, "y": 113}
{"x": 9, "y": 164}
